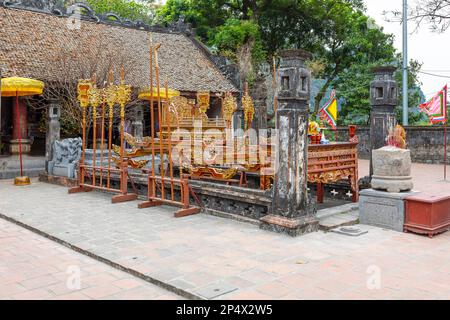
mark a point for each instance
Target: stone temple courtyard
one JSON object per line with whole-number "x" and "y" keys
{"x": 122, "y": 252}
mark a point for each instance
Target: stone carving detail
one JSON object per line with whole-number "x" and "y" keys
{"x": 87, "y": 13}
{"x": 66, "y": 154}
{"x": 233, "y": 206}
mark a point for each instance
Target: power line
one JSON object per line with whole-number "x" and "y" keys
{"x": 435, "y": 75}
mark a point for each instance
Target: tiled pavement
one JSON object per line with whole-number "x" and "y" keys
{"x": 201, "y": 253}
{"x": 34, "y": 268}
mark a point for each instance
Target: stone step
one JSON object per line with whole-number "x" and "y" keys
{"x": 338, "y": 220}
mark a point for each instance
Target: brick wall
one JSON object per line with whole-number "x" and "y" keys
{"x": 426, "y": 143}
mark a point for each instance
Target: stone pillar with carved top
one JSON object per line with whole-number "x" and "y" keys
{"x": 383, "y": 98}
{"x": 138, "y": 122}
{"x": 53, "y": 129}
{"x": 292, "y": 211}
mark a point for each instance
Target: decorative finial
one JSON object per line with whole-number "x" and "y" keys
{"x": 122, "y": 74}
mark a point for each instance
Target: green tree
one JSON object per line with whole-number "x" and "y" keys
{"x": 240, "y": 41}
{"x": 345, "y": 42}
{"x": 415, "y": 95}
{"x": 351, "y": 39}
{"x": 127, "y": 9}
{"x": 354, "y": 96}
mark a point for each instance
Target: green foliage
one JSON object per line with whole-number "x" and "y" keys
{"x": 236, "y": 33}
{"x": 415, "y": 95}
{"x": 204, "y": 15}
{"x": 351, "y": 40}
{"x": 354, "y": 95}
{"x": 352, "y": 88}
{"x": 345, "y": 42}
{"x": 128, "y": 9}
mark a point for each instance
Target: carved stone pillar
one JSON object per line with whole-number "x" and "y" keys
{"x": 259, "y": 95}
{"x": 291, "y": 210}
{"x": 383, "y": 97}
{"x": 53, "y": 129}
{"x": 138, "y": 122}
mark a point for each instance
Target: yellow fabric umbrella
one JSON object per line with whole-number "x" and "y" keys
{"x": 146, "y": 94}
{"x": 20, "y": 87}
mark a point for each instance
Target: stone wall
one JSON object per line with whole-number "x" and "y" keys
{"x": 426, "y": 143}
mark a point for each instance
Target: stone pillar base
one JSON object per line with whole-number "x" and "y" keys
{"x": 291, "y": 226}
{"x": 392, "y": 184}
{"x": 383, "y": 209}
{"x": 14, "y": 146}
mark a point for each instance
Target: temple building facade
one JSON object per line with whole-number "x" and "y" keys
{"x": 59, "y": 46}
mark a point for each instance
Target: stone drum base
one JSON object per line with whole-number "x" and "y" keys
{"x": 383, "y": 209}
{"x": 392, "y": 184}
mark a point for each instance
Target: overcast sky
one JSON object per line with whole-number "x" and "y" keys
{"x": 430, "y": 48}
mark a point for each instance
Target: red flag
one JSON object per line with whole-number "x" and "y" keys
{"x": 436, "y": 108}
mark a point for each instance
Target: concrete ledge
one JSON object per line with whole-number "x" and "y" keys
{"x": 58, "y": 180}
{"x": 291, "y": 226}
{"x": 346, "y": 208}
{"x": 10, "y": 166}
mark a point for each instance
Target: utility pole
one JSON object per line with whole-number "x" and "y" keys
{"x": 405, "y": 62}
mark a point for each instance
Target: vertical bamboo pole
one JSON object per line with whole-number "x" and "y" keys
{"x": 123, "y": 163}
{"x": 158, "y": 92}
{"x": 170, "y": 144}
{"x": 102, "y": 141}
{"x": 111, "y": 102}
{"x": 152, "y": 186}
{"x": 122, "y": 118}
{"x": 83, "y": 154}
{"x": 94, "y": 129}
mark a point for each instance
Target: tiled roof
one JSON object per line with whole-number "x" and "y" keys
{"x": 43, "y": 47}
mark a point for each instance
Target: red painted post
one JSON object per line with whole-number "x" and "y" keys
{"x": 19, "y": 134}
{"x": 445, "y": 150}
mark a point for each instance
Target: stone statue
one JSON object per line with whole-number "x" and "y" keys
{"x": 66, "y": 154}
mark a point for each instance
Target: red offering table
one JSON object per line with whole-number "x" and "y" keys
{"x": 427, "y": 214}
{"x": 329, "y": 163}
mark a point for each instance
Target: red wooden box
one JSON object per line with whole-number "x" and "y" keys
{"x": 427, "y": 214}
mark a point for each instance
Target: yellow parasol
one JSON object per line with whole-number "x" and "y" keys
{"x": 20, "y": 87}
{"x": 146, "y": 94}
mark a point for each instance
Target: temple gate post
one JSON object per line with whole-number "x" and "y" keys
{"x": 138, "y": 122}
{"x": 53, "y": 129}
{"x": 292, "y": 211}
{"x": 383, "y": 98}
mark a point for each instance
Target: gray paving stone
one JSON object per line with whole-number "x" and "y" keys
{"x": 223, "y": 248}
